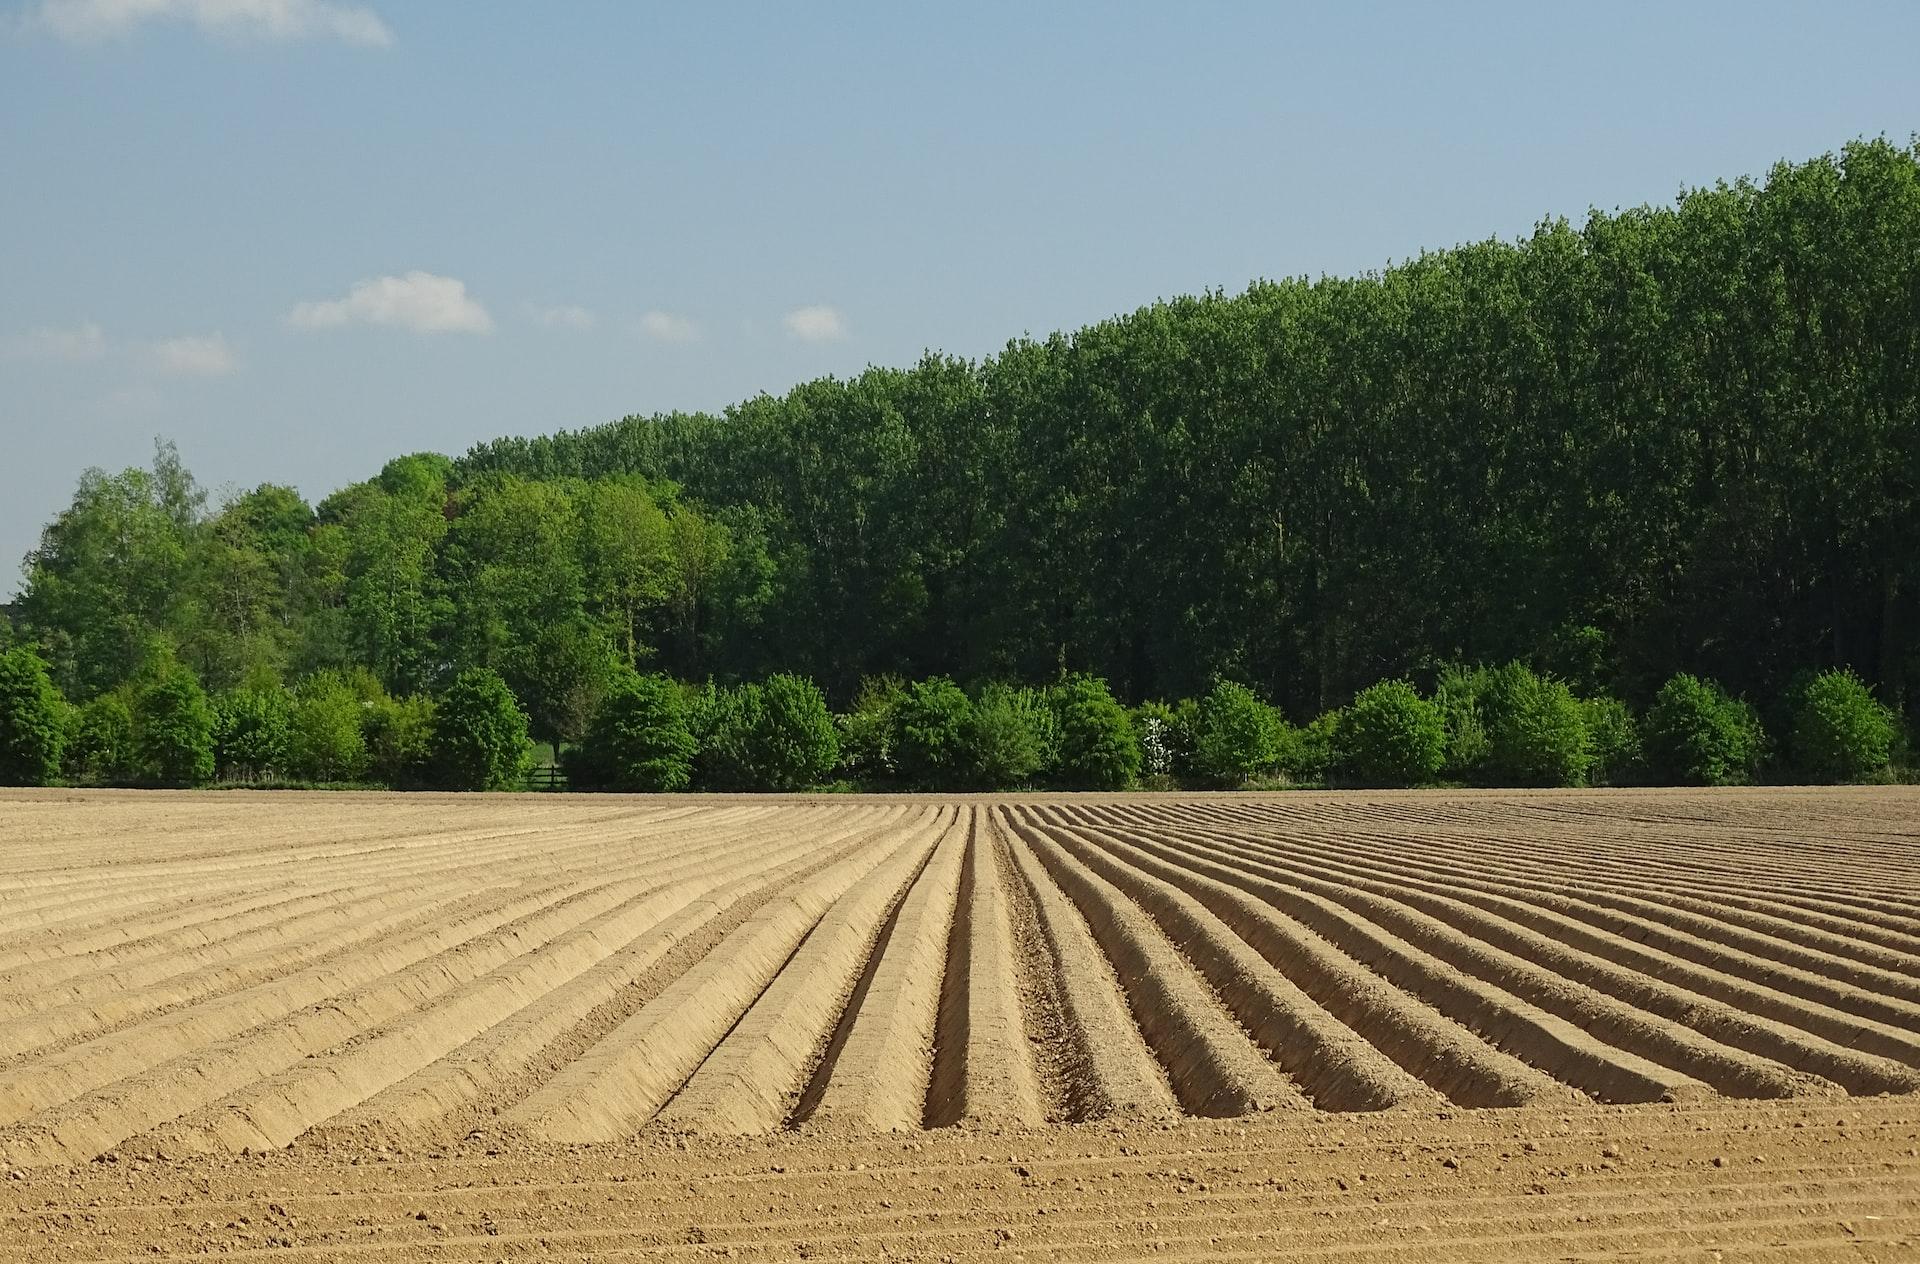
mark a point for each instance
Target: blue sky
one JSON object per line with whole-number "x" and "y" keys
{"x": 299, "y": 237}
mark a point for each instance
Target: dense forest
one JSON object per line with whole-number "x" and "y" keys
{"x": 1681, "y": 438}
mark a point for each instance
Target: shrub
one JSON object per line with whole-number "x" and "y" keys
{"x": 480, "y": 737}
{"x": 1390, "y": 735}
{"x": 933, "y": 722}
{"x": 1234, "y": 734}
{"x": 32, "y": 721}
{"x": 173, "y": 727}
{"x": 1307, "y": 753}
{"x": 1696, "y": 735}
{"x": 723, "y": 722}
{"x": 869, "y": 731}
{"x": 325, "y": 741}
{"x": 1613, "y": 741}
{"x": 1098, "y": 748}
{"x": 399, "y": 737}
{"x": 101, "y": 745}
{"x": 1536, "y": 731}
{"x": 1841, "y": 732}
{"x": 638, "y": 739}
{"x": 1008, "y": 734}
{"x": 1458, "y": 695}
{"x": 793, "y": 743}
{"x": 250, "y": 730}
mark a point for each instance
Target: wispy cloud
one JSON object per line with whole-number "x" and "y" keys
{"x": 817, "y": 323}
{"x": 90, "y": 21}
{"x": 418, "y": 300}
{"x": 564, "y": 317}
{"x": 84, "y": 341}
{"x": 211, "y": 356}
{"x": 667, "y": 327}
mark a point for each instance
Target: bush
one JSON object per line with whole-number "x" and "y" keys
{"x": 325, "y": 741}
{"x": 1613, "y": 740}
{"x": 1841, "y": 732}
{"x": 722, "y": 722}
{"x": 32, "y": 721}
{"x": 1010, "y": 734}
{"x": 250, "y": 731}
{"x": 934, "y": 718}
{"x": 1391, "y": 736}
{"x": 399, "y": 737}
{"x": 100, "y": 743}
{"x": 638, "y": 739}
{"x": 1235, "y": 735}
{"x": 869, "y": 731}
{"x": 1696, "y": 735}
{"x": 480, "y": 737}
{"x": 1536, "y": 731}
{"x": 1458, "y": 695}
{"x": 1098, "y": 748}
{"x": 173, "y": 727}
{"x": 1307, "y": 753}
{"x": 793, "y": 743}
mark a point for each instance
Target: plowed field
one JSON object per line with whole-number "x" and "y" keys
{"x": 1396, "y": 1025}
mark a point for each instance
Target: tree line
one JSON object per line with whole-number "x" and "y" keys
{"x": 1680, "y": 439}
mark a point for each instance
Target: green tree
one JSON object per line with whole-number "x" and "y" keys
{"x": 870, "y": 731}
{"x": 1391, "y": 736}
{"x": 1841, "y": 732}
{"x": 480, "y": 737}
{"x": 638, "y": 741}
{"x": 1007, "y": 735}
{"x": 1098, "y": 747}
{"x": 173, "y": 727}
{"x": 1536, "y": 731}
{"x": 1615, "y": 739}
{"x": 398, "y": 733}
{"x": 933, "y": 720}
{"x": 325, "y": 738}
{"x": 32, "y": 721}
{"x": 251, "y": 727}
{"x": 793, "y": 741}
{"x": 1695, "y": 734}
{"x": 101, "y": 745}
{"x": 1234, "y": 734}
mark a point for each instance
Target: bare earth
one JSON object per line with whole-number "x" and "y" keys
{"x": 1408, "y": 1026}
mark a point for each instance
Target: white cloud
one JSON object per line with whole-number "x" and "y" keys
{"x": 563, "y": 317}
{"x": 667, "y": 327}
{"x": 419, "y": 301}
{"x": 83, "y": 342}
{"x": 210, "y": 356}
{"x": 815, "y": 324}
{"x": 89, "y": 21}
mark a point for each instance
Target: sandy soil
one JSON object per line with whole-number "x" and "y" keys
{"x": 1412, "y": 1025}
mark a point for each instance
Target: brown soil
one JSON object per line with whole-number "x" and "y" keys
{"x": 1441, "y": 1025}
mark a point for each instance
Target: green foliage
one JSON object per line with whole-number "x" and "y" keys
{"x": 933, "y": 720}
{"x": 251, "y": 727}
{"x": 173, "y": 729}
{"x": 398, "y": 733}
{"x": 724, "y": 723}
{"x": 638, "y": 739}
{"x": 101, "y": 745}
{"x": 1391, "y": 736}
{"x": 1458, "y": 694}
{"x": 1098, "y": 747}
{"x": 1536, "y": 730}
{"x": 480, "y": 737}
{"x": 1307, "y": 753}
{"x": 1235, "y": 735}
{"x": 869, "y": 729}
{"x": 1159, "y": 728}
{"x": 1841, "y": 732}
{"x": 560, "y": 677}
{"x": 32, "y": 721}
{"x": 325, "y": 734}
{"x": 794, "y": 743}
{"x": 1011, "y": 737}
{"x": 1614, "y": 742}
{"x": 1695, "y": 734}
